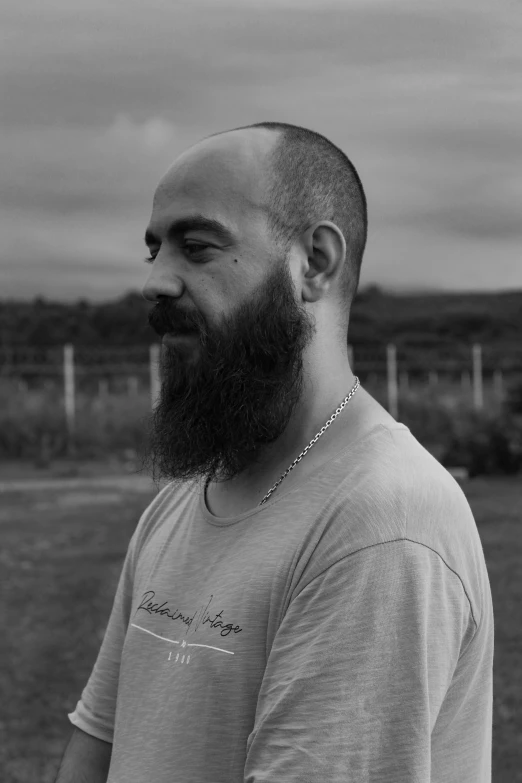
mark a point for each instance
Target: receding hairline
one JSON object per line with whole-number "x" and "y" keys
{"x": 263, "y": 206}
{"x": 260, "y": 171}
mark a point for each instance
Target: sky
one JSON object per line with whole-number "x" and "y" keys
{"x": 99, "y": 97}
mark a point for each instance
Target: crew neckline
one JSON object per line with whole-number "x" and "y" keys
{"x": 226, "y": 521}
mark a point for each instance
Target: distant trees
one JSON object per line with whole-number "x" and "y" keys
{"x": 40, "y": 322}
{"x": 377, "y": 317}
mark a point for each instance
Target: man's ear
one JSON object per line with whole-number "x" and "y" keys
{"x": 325, "y": 249}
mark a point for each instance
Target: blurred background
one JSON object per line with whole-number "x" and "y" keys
{"x": 97, "y": 100}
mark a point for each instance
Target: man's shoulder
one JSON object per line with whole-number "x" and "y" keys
{"x": 396, "y": 490}
{"x": 388, "y": 486}
{"x": 393, "y": 457}
{"x": 421, "y": 477}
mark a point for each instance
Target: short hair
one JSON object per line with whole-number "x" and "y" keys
{"x": 310, "y": 180}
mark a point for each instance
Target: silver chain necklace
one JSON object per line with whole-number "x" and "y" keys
{"x": 312, "y": 442}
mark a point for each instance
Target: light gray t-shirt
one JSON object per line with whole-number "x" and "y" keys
{"x": 341, "y": 632}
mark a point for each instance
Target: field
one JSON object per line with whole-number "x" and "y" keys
{"x": 62, "y": 550}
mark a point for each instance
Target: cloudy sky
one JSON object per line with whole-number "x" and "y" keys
{"x": 99, "y": 96}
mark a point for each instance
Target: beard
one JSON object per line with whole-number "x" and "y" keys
{"x": 229, "y": 392}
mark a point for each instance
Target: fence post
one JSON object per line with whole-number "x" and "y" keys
{"x": 155, "y": 381}
{"x": 68, "y": 377}
{"x": 478, "y": 397}
{"x": 391, "y": 368}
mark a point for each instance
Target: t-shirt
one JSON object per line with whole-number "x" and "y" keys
{"x": 342, "y": 631}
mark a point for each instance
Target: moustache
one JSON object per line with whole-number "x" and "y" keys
{"x": 163, "y": 321}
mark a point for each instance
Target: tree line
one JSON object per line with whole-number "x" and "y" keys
{"x": 377, "y": 317}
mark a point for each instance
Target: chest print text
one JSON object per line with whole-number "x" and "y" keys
{"x": 201, "y": 617}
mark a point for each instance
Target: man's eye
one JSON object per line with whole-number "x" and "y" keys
{"x": 194, "y": 249}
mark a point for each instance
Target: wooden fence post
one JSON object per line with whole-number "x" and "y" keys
{"x": 68, "y": 377}
{"x": 393, "y": 392}
{"x": 155, "y": 380}
{"x": 478, "y": 397}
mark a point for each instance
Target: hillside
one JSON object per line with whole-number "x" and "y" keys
{"x": 421, "y": 321}
{"x": 436, "y": 319}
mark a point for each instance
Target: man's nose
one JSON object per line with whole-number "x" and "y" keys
{"x": 162, "y": 281}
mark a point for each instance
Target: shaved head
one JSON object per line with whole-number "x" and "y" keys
{"x": 231, "y": 169}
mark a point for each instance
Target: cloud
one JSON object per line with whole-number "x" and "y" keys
{"x": 99, "y": 98}
{"x": 153, "y": 135}
{"x": 76, "y": 201}
{"x": 55, "y": 168}
{"x": 483, "y": 208}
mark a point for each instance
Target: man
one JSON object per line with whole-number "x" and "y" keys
{"x": 284, "y": 613}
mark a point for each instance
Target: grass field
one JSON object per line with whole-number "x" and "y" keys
{"x": 60, "y": 560}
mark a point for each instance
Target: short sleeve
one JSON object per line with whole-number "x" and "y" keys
{"x": 96, "y": 709}
{"x": 358, "y": 670}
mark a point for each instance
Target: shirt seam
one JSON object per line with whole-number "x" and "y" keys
{"x": 392, "y": 541}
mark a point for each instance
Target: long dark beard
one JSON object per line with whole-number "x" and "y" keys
{"x": 216, "y": 413}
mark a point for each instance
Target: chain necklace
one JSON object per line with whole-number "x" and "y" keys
{"x": 313, "y": 441}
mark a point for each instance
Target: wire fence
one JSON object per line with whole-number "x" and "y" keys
{"x": 470, "y": 370}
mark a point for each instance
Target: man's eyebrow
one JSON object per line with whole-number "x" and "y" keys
{"x": 193, "y": 223}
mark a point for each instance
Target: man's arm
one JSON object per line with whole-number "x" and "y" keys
{"x": 86, "y": 759}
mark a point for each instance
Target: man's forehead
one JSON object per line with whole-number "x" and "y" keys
{"x": 226, "y": 168}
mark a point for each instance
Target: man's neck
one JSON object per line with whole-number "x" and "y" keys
{"x": 310, "y": 415}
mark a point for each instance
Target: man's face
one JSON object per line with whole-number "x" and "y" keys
{"x": 230, "y": 387}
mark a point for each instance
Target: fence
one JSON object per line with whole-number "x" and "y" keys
{"x": 468, "y": 366}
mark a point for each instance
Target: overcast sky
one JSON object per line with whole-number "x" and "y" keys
{"x": 98, "y": 97}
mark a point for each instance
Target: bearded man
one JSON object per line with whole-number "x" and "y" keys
{"x": 306, "y": 600}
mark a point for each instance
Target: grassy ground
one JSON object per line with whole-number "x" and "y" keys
{"x": 60, "y": 560}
